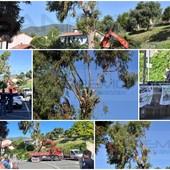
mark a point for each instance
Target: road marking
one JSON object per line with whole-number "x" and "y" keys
{"x": 53, "y": 166}
{"x": 26, "y": 107}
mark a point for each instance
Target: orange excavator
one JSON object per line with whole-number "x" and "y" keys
{"x": 105, "y": 42}
{"x": 52, "y": 154}
{"x": 10, "y": 85}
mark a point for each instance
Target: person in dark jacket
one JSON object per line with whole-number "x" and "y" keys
{"x": 87, "y": 162}
{"x": 167, "y": 75}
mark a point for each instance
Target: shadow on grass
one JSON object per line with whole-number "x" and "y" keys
{"x": 68, "y": 139}
{"x": 137, "y": 32}
{"x": 161, "y": 36}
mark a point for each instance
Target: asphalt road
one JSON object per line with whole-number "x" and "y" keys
{"x": 63, "y": 164}
{"x": 19, "y": 114}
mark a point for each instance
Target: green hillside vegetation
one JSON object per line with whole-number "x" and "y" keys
{"x": 159, "y": 61}
{"x": 67, "y": 144}
{"x": 155, "y": 38}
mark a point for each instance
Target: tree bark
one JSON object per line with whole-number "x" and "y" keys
{"x": 90, "y": 39}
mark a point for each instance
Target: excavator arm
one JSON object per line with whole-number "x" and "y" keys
{"x": 45, "y": 141}
{"x": 105, "y": 42}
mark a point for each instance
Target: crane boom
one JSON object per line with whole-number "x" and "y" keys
{"x": 105, "y": 42}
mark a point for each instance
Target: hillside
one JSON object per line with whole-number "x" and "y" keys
{"x": 67, "y": 144}
{"x": 156, "y": 38}
{"x": 43, "y": 30}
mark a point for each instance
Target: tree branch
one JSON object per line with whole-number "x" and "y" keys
{"x": 90, "y": 78}
{"x": 78, "y": 75}
{"x": 75, "y": 81}
{"x": 70, "y": 86}
{"x": 99, "y": 77}
{"x": 84, "y": 8}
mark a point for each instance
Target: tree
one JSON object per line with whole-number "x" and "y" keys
{"x": 31, "y": 126}
{"x": 65, "y": 79}
{"x": 53, "y": 38}
{"x": 146, "y": 14}
{"x": 21, "y": 75}
{"x": 50, "y": 41}
{"x": 124, "y": 144}
{"x": 123, "y": 20}
{"x": 3, "y": 129}
{"x": 55, "y": 134}
{"x": 166, "y": 14}
{"x": 101, "y": 130}
{"x": 39, "y": 42}
{"x": 106, "y": 24}
{"x": 4, "y": 68}
{"x": 48, "y": 97}
{"x": 11, "y": 21}
{"x": 28, "y": 74}
{"x": 86, "y": 23}
{"x": 21, "y": 79}
{"x": 82, "y": 129}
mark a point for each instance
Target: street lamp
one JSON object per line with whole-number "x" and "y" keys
{"x": 1, "y": 139}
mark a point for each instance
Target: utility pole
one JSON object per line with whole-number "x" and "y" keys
{"x": 144, "y": 69}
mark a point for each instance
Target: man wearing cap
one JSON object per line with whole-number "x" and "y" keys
{"x": 87, "y": 162}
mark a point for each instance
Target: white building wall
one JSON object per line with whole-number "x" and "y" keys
{"x": 20, "y": 39}
{"x": 82, "y": 39}
{"x": 3, "y": 45}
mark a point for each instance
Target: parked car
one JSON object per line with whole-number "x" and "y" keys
{"x": 74, "y": 154}
{"x": 17, "y": 100}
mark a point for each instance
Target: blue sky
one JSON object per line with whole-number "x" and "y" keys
{"x": 19, "y": 60}
{"x": 157, "y": 139}
{"x": 112, "y": 95}
{"x": 36, "y": 14}
{"x": 46, "y": 126}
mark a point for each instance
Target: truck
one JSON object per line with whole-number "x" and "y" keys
{"x": 26, "y": 92}
{"x": 74, "y": 154}
{"x": 52, "y": 154}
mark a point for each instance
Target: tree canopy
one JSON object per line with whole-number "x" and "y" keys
{"x": 166, "y": 14}
{"x": 82, "y": 129}
{"x": 4, "y": 129}
{"x": 57, "y": 72}
{"x": 123, "y": 143}
{"x": 4, "y": 67}
{"x": 145, "y": 14}
{"x": 11, "y": 21}
{"x": 55, "y": 133}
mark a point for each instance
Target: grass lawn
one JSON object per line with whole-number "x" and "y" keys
{"x": 155, "y": 38}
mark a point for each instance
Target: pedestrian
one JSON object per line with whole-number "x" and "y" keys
{"x": 10, "y": 101}
{"x": 3, "y": 102}
{"x": 87, "y": 162}
{"x": 167, "y": 75}
{"x": 15, "y": 165}
{"x": 5, "y": 161}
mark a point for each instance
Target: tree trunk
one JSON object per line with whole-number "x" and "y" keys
{"x": 86, "y": 112}
{"x": 36, "y": 142}
{"x": 90, "y": 39}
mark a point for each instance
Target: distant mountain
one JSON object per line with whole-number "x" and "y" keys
{"x": 43, "y": 30}
{"x": 16, "y": 138}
